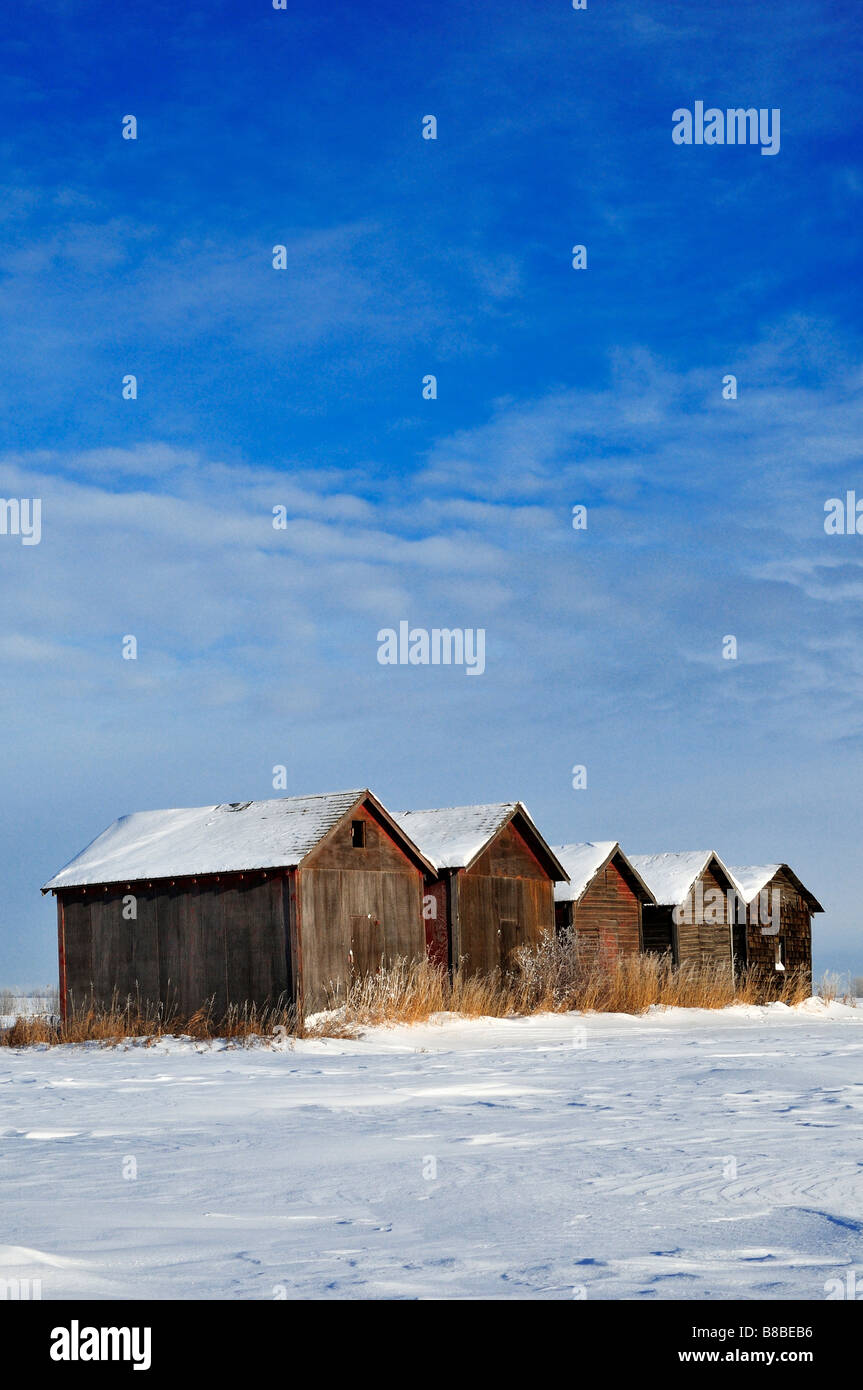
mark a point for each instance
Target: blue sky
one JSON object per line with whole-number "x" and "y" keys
{"x": 302, "y": 388}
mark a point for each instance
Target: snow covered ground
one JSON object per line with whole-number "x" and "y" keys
{"x": 683, "y": 1155}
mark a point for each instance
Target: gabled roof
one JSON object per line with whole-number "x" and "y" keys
{"x": 583, "y": 862}
{"x": 671, "y": 876}
{"x": 754, "y": 877}
{"x": 231, "y": 837}
{"x": 453, "y": 837}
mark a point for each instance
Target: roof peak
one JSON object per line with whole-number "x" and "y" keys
{"x": 469, "y": 806}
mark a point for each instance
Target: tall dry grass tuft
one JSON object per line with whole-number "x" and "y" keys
{"x": 133, "y": 1018}
{"x": 557, "y": 977}
{"x": 833, "y": 986}
{"x": 553, "y": 977}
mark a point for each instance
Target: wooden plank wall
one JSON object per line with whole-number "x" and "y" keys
{"x": 358, "y": 907}
{"x": 693, "y": 939}
{"x": 189, "y": 942}
{"x": 706, "y": 940}
{"x": 795, "y": 925}
{"x": 607, "y": 917}
{"x": 505, "y": 900}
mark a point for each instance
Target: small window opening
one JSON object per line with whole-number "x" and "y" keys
{"x": 358, "y": 834}
{"x": 780, "y": 952}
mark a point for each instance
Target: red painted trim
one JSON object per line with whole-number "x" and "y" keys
{"x": 297, "y": 940}
{"x": 61, "y": 955}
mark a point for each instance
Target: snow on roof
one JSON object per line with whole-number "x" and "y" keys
{"x": 753, "y": 877}
{"x": 452, "y": 836}
{"x": 207, "y": 839}
{"x": 670, "y": 876}
{"x": 581, "y": 863}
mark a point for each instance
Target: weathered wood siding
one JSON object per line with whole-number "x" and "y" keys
{"x": 188, "y": 943}
{"x": 704, "y": 934}
{"x": 505, "y": 900}
{"x": 607, "y": 917}
{"x": 357, "y": 908}
{"x": 795, "y": 927}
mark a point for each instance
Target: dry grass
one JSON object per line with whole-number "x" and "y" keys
{"x": 130, "y": 1018}
{"x": 553, "y": 977}
{"x": 557, "y": 978}
{"x": 832, "y": 987}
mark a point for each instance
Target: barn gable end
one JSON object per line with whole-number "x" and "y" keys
{"x": 693, "y": 916}
{"x": 360, "y": 901}
{"x": 495, "y": 879}
{"x": 602, "y": 903}
{"x": 508, "y": 856}
{"x": 778, "y": 917}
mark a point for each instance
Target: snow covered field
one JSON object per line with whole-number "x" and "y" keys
{"x": 684, "y": 1155}
{"x": 14, "y": 1004}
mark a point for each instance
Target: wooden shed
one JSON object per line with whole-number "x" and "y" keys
{"x": 493, "y": 885}
{"x": 775, "y": 930}
{"x": 694, "y": 905}
{"x": 602, "y": 903}
{"x": 246, "y": 901}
